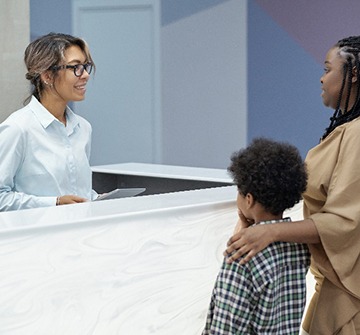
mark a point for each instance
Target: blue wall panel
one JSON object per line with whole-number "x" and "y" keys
{"x": 284, "y": 100}
{"x": 50, "y": 16}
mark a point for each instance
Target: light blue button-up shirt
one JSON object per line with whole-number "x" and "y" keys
{"x": 41, "y": 159}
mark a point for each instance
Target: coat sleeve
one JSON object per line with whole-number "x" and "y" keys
{"x": 338, "y": 221}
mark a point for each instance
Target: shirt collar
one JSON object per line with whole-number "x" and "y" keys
{"x": 287, "y": 219}
{"x": 46, "y": 118}
{"x": 72, "y": 120}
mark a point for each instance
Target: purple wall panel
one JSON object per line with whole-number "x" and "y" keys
{"x": 315, "y": 25}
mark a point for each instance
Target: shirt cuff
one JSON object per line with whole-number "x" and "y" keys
{"x": 46, "y": 201}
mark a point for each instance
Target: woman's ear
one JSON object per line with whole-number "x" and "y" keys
{"x": 47, "y": 78}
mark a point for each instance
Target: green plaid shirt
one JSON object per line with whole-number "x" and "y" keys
{"x": 265, "y": 296}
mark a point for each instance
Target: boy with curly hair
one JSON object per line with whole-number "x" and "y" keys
{"x": 267, "y": 294}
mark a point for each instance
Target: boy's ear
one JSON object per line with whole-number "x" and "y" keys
{"x": 250, "y": 200}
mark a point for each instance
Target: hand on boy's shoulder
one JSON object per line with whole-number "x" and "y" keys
{"x": 248, "y": 242}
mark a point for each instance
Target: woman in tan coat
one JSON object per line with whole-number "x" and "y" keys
{"x": 331, "y": 204}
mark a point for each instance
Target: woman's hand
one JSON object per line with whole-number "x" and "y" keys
{"x": 248, "y": 241}
{"x": 70, "y": 199}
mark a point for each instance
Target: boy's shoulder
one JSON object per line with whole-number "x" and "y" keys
{"x": 271, "y": 262}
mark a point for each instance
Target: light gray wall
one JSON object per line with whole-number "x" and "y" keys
{"x": 14, "y": 37}
{"x": 123, "y": 97}
{"x": 204, "y": 82}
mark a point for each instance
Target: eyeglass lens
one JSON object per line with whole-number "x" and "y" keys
{"x": 79, "y": 69}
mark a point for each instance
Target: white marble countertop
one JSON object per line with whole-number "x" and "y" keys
{"x": 110, "y": 209}
{"x": 166, "y": 171}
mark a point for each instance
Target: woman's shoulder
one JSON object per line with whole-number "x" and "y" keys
{"x": 353, "y": 125}
{"x": 350, "y": 130}
{"x": 83, "y": 123}
{"x": 344, "y": 136}
{"x": 83, "y": 120}
{"x": 346, "y": 130}
{"x": 20, "y": 117}
{"x": 16, "y": 127}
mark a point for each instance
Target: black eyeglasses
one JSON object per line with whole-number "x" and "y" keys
{"x": 78, "y": 68}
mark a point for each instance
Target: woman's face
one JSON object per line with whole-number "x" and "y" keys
{"x": 332, "y": 78}
{"x": 67, "y": 85}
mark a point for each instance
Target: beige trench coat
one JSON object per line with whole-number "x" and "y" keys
{"x": 332, "y": 200}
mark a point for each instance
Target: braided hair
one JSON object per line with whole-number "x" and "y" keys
{"x": 350, "y": 51}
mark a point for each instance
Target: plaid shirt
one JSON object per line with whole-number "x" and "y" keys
{"x": 265, "y": 296}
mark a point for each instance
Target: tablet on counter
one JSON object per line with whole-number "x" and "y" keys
{"x": 120, "y": 193}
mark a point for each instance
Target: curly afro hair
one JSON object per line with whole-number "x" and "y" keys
{"x": 273, "y": 172}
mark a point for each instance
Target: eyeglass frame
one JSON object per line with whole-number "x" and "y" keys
{"x": 74, "y": 67}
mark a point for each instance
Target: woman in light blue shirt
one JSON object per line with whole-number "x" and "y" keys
{"x": 45, "y": 147}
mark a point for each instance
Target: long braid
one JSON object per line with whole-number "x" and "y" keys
{"x": 357, "y": 65}
{"x": 337, "y": 113}
{"x": 349, "y": 81}
{"x": 349, "y": 49}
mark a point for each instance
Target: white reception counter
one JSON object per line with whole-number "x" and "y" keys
{"x": 143, "y": 265}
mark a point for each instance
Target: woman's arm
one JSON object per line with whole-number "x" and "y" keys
{"x": 12, "y": 148}
{"x": 253, "y": 239}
